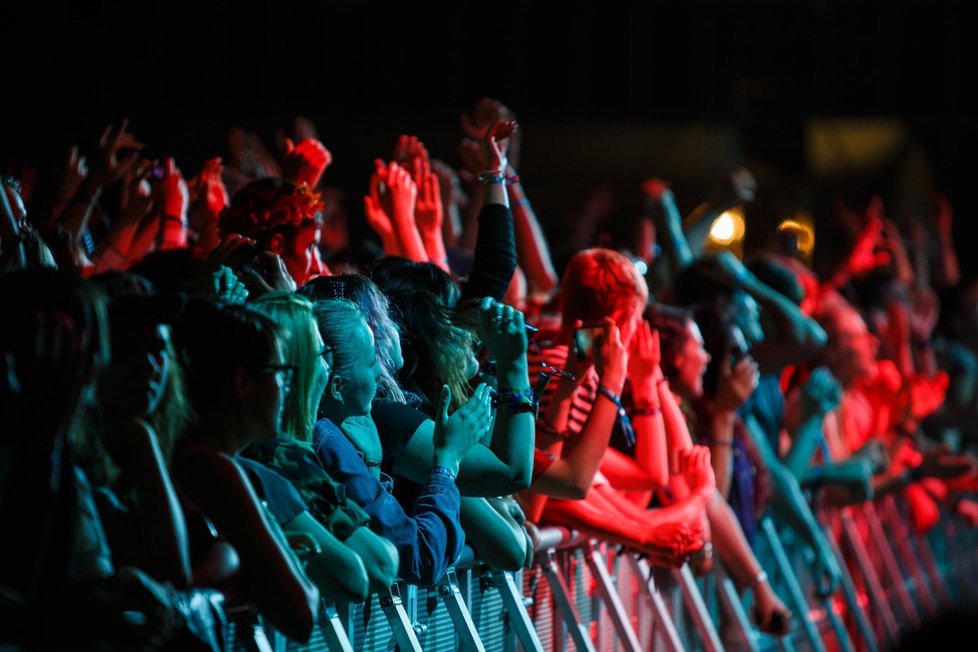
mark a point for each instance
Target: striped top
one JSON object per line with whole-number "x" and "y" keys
{"x": 583, "y": 399}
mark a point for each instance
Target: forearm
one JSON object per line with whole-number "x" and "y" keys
{"x": 161, "y": 521}
{"x": 789, "y": 502}
{"x": 146, "y": 232}
{"x": 513, "y": 432}
{"x": 434, "y": 246}
{"x": 806, "y": 440}
{"x": 533, "y": 252}
{"x": 948, "y": 270}
{"x": 76, "y": 214}
{"x": 721, "y": 449}
{"x": 651, "y": 451}
{"x": 584, "y": 453}
{"x": 675, "y": 241}
{"x": 729, "y": 541}
{"x": 409, "y": 240}
{"x": 677, "y": 432}
{"x": 696, "y": 226}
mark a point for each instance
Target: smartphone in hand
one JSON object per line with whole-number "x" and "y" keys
{"x": 584, "y": 339}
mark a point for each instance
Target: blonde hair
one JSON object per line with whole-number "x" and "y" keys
{"x": 300, "y": 348}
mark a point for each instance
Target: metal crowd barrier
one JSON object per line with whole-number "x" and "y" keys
{"x": 591, "y": 596}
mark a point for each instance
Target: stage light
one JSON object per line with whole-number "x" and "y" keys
{"x": 727, "y": 228}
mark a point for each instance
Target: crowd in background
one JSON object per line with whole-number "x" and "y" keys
{"x": 211, "y": 397}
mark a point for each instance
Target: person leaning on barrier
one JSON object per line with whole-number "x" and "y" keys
{"x": 429, "y": 539}
{"x": 291, "y": 454}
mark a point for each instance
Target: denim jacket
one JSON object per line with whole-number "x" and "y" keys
{"x": 429, "y": 540}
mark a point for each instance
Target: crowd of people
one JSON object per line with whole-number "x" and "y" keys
{"x": 212, "y": 398}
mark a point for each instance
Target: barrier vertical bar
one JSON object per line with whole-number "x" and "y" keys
{"x": 901, "y": 542}
{"x": 730, "y": 601}
{"x": 512, "y": 598}
{"x": 852, "y": 600}
{"x": 697, "y": 609}
{"x": 397, "y": 617}
{"x": 890, "y": 564}
{"x": 797, "y": 598}
{"x": 872, "y": 580}
{"x": 663, "y": 622}
{"x": 605, "y": 586}
{"x": 333, "y": 630}
{"x": 449, "y": 592}
{"x": 561, "y": 594}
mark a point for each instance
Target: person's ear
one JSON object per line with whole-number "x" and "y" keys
{"x": 276, "y": 244}
{"x": 244, "y": 384}
{"x": 336, "y": 386}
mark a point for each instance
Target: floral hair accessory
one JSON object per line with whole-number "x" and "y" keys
{"x": 269, "y": 205}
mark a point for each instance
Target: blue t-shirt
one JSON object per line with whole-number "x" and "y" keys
{"x": 429, "y": 540}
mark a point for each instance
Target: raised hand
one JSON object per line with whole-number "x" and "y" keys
{"x": 644, "y": 356}
{"x": 174, "y": 202}
{"x": 611, "y": 362}
{"x": 502, "y": 331}
{"x": 106, "y": 166}
{"x": 74, "y": 173}
{"x": 455, "y": 435}
{"x": 739, "y": 187}
{"x": 821, "y": 394}
{"x": 865, "y": 255}
{"x": 305, "y": 162}
{"x": 655, "y": 189}
{"x": 485, "y": 112}
{"x": 735, "y": 385}
{"x": 470, "y": 154}
{"x": 494, "y": 146}
{"x": 924, "y": 311}
{"x": 697, "y": 471}
{"x": 267, "y": 274}
{"x": 429, "y": 212}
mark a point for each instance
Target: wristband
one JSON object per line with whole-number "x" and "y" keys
{"x": 626, "y": 424}
{"x": 491, "y": 180}
{"x": 443, "y": 470}
{"x": 518, "y": 400}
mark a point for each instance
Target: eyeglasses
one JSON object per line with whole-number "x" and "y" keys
{"x": 284, "y": 374}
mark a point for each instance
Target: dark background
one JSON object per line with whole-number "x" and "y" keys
{"x": 598, "y": 86}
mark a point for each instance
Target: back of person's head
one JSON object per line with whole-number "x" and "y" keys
{"x": 301, "y": 348}
{"x": 215, "y": 341}
{"x": 779, "y": 277}
{"x": 672, "y": 323}
{"x": 699, "y": 284}
{"x": 171, "y": 271}
{"x": 599, "y": 283}
{"x": 269, "y": 206}
{"x": 374, "y": 304}
{"x": 436, "y": 351}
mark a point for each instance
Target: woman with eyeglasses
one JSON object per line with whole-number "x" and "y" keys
{"x": 237, "y": 381}
{"x": 291, "y": 453}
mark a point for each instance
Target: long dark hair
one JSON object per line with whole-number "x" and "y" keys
{"x": 436, "y": 351}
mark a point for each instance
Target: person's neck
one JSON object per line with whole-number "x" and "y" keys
{"x": 222, "y": 431}
{"x": 336, "y": 412}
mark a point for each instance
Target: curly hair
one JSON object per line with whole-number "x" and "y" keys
{"x": 269, "y": 206}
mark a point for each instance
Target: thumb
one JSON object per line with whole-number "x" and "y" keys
{"x": 289, "y": 146}
{"x": 443, "y": 401}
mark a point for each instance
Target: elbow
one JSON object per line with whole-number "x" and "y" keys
{"x": 297, "y": 624}
{"x": 578, "y": 491}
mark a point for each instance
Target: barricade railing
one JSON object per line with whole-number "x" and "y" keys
{"x": 588, "y": 595}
